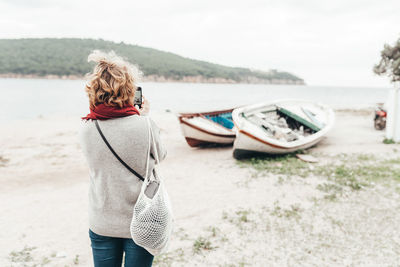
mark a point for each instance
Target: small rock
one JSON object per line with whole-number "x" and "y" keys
{"x": 61, "y": 254}
{"x": 307, "y": 158}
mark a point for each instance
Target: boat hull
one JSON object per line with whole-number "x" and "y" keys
{"x": 199, "y": 137}
{"x": 246, "y": 145}
{"x": 250, "y": 140}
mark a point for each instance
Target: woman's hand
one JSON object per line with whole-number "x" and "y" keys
{"x": 144, "y": 110}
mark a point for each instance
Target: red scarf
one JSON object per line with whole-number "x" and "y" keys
{"x": 103, "y": 112}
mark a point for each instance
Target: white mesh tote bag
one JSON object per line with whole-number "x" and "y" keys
{"x": 152, "y": 218}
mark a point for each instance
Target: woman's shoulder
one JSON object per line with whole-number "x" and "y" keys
{"x": 85, "y": 128}
{"x": 128, "y": 122}
{"x": 143, "y": 119}
{"x": 133, "y": 120}
{"x": 85, "y": 124}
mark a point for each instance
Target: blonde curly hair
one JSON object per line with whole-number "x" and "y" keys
{"x": 112, "y": 81}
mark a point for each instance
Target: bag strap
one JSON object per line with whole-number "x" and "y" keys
{"x": 116, "y": 155}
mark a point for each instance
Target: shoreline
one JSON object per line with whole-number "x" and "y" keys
{"x": 362, "y": 111}
{"x": 161, "y": 79}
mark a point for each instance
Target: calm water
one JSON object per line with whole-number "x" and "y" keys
{"x": 30, "y": 98}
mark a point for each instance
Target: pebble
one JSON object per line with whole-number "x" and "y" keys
{"x": 61, "y": 254}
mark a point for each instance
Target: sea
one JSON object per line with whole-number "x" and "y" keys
{"x": 23, "y": 99}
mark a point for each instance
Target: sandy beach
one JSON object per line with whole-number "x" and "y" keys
{"x": 341, "y": 211}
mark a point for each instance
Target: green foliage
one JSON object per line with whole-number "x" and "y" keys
{"x": 25, "y": 255}
{"x": 293, "y": 212}
{"x": 388, "y": 141}
{"x": 242, "y": 215}
{"x": 68, "y": 56}
{"x": 286, "y": 165}
{"x": 76, "y": 260}
{"x": 390, "y": 62}
{"x": 201, "y": 244}
{"x": 352, "y": 172}
{"x": 170, "y": 258}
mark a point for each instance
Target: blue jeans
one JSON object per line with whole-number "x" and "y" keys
{"x": 108, "y": 251}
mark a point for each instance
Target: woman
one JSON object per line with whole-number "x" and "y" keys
{"x": 113, "y": 188}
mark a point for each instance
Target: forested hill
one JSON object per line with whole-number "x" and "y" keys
{"x": 67, "y": 58}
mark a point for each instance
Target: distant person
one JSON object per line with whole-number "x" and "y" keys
{"x": 113, "y": 189}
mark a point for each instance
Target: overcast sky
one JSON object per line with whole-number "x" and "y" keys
{"x": 324, "y": 42}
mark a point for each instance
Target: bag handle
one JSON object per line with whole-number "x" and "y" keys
{"x": 149, "y": 146}
{"x": 156, "y": 171}
{"x": 154, "y": 143}
{"x": 120, "y": 160}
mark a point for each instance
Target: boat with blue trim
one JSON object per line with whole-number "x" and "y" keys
{"x": 208, "y": 128}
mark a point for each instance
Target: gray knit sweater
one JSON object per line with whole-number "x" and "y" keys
{"x": 113, "y": 189}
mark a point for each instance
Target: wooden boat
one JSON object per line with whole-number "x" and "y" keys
{"x": 280, "y": 127}
{"x": 207, "y": 128}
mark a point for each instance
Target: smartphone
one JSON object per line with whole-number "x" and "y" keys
{"x": 138, "y": 97}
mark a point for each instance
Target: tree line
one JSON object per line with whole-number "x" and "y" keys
{"x": 68, "y": 56}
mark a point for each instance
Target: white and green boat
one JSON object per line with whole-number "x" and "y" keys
{"x": 280, "y": 127}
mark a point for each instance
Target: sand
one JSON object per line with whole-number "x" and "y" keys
{"x": 226, "y": 214}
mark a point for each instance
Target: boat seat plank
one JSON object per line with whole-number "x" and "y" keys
{"x": 312, "y": 117}
{"x": 299, "y": 119}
